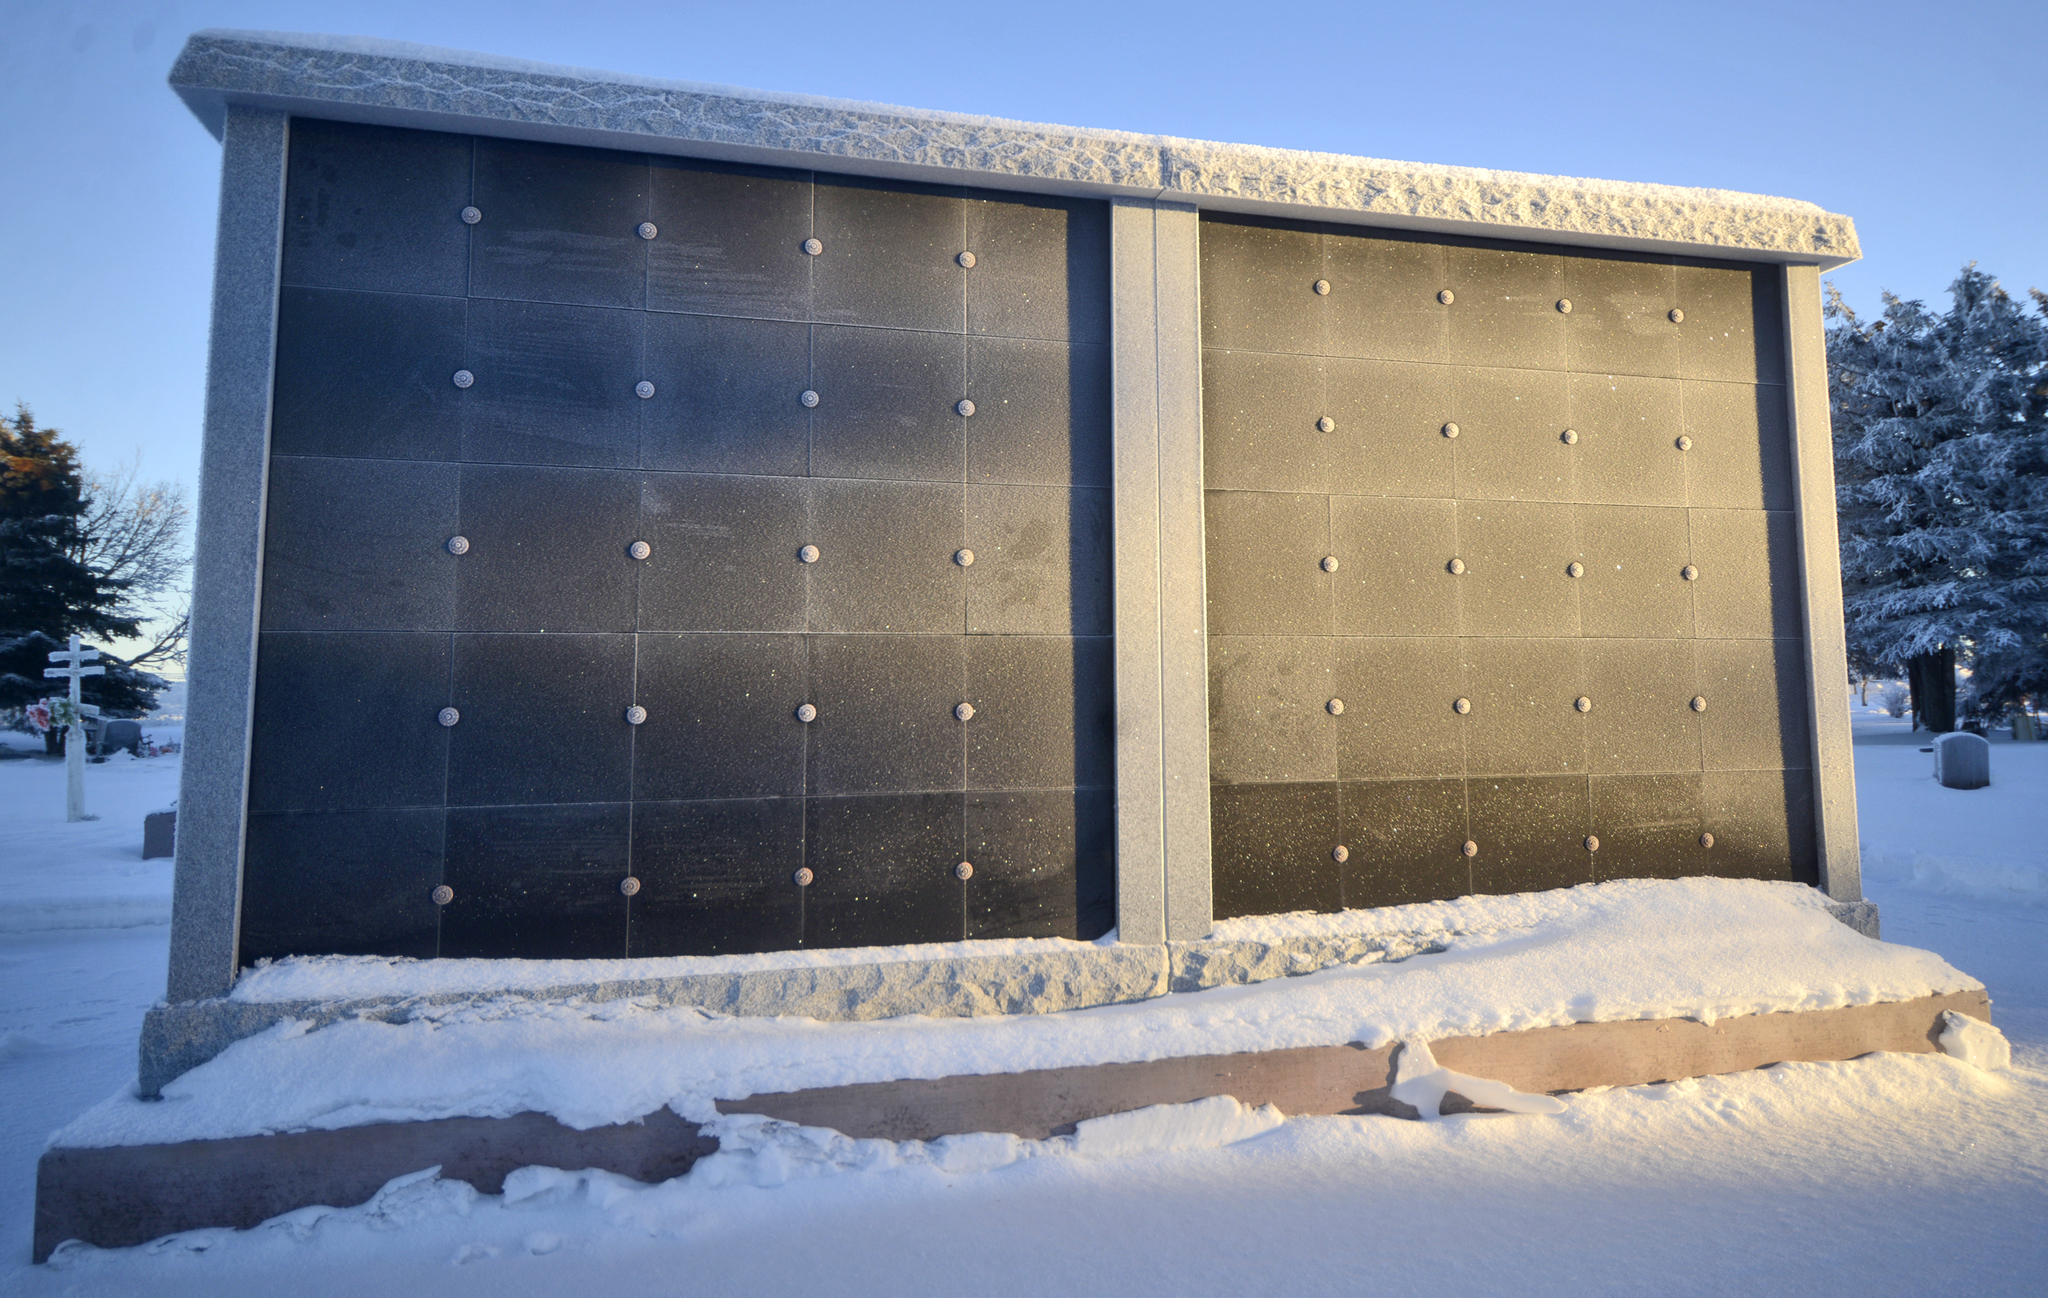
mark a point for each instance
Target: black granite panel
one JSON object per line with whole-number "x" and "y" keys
{"x": 1044, "y": 864}
{"x": 889, "y": 255}
{"x": 1258, "y": 287}
{"x": 536, "y": 883}
{"x": 1517, "y": 559}
{"x": 1265, "y": 553}
{"x": 1620, "y": 319}
{"x": 720, "y": 716}
{"x": 1634, "y": 583}
{"x": 727, "y": 396}
{"x": 547, "y": 549}
{"x": 1399, "y": 719}
{"x": 1648, "y": 827}
{"x": 1756, "y": 716}
{"x": 1406, "y": 841}
{"x": 1271, "y": 846}
{"x": 730, "y": 240}
{"x": 1510, "y": 443}
{"x": 1041, "y": 268}
{"x": 1741, "y": 456}
{"x": 724, "y": 553}
{"x": 348, "y": 720}
{"x": 1389, "y": 437}
{"x": 341, "y": 883}
{"x": 1642, "y": 717}
{"x": 885, "y": 713}
{"x": 1506, "y": 309}
{"x": 1259, "y": 430}
{"x": 560, "y": 224}
{"x": 1748, "y": 584}
{"x": 886, "y": 404}
{"x": 543, "y": 719}
{"x": 1269, "y": 716}
{"x": 1041, "y": 560}
{"x": 1763, "y": 825}
{"x": 885, "y": 559}
{"x": 1044, "y": 713}
{"x": 1042, "y": 412}
{"x": 1734, "y": 323}
{"x": 1524, "y": 719}
{"x": 358, "y": 545}
{"x": 371, "y": 207}
{"x": 1531, "y": 833}
{"x": 1393, "y": 576}
{"x": 717, "y": 878}
{"x": 554, "y": 385}
{"x": 883, "y": 870}
{"x": 1628, "y": 440}
{"x": 368, "y": 374}
{"x": 1383, "y": 296}
{"x": 1590, "y": 434}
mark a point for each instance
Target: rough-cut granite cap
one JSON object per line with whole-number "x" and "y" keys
{"x": 395, "y": 84}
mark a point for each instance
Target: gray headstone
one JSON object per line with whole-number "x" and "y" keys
{"x": 122, "y": 734}
{"x": 1962, "y": 761}
{"x": 159, "y": 834}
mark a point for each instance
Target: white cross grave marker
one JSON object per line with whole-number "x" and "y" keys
{"x": 74, "y": 660}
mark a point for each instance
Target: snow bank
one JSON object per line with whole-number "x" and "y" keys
{"x": 1204, "y": 1124}
{"x": 1912, "y": 1167}
{"x": 1635, "y": 949}
{"x": 1421, "y": 1081}
{"x": 1975, "y": 1042}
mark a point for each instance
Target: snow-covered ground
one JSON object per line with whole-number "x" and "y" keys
{"x": 90, "y": 875}
{"x": 1895, "y": 1174}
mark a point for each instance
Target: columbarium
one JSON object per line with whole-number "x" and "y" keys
{"x": 641, "y": 521}
{"x": 684, "y": 524}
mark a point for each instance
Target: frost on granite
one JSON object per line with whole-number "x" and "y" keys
{"x": 427, "y": 86}
{"x": 1705, "y": 949}
{"x": 343, "y": 977}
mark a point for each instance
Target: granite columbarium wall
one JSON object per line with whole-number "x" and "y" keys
{"x": 648, "y": 520}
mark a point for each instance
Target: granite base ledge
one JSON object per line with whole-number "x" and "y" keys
{"x": 178, "y": 1037}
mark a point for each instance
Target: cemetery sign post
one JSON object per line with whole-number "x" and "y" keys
{"x": 74, "y": 669}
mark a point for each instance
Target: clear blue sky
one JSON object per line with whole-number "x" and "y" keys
{"x": 1926, "y": 123}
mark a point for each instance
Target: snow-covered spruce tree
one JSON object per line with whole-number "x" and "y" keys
{"x": 48, "y": 587}
{"x": 1941, "y": 461}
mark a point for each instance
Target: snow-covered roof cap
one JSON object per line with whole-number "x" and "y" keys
{"x": 396, "y": 84}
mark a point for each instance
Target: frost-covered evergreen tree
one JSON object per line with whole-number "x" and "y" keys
{"x": 1941, "y": 460}
{"x": 49, "y": 585}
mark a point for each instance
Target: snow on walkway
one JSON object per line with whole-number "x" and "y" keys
{"x": 1888, "y": 1175}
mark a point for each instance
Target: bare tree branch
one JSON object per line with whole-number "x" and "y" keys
{"x": 167, "y": 642}
{"x": 134, "y": 531}
{"x": 133, "y": 534}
